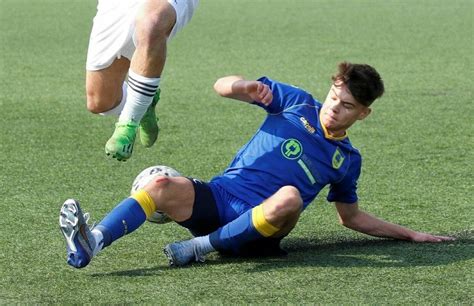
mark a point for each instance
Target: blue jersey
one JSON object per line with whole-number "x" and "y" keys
{"x": 291, "y": 148}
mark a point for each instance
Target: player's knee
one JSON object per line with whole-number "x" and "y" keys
{"x": 290, "y": 201}
{"x": 158, "y": 184}
{"x": 172, "y": 195}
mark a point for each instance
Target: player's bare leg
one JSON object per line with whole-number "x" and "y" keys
{"x": 153, "y": 26}
{"x": 106, "y": 94}
{"x": 104, "y": 87}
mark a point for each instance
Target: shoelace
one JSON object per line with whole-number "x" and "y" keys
{"x": 197, "y": 256}
{"x": 87, "y": 218}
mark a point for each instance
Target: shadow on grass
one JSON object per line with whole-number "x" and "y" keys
{"x": 153, "y": 271}
{"x": 368, "y": 252}
{"x": 342, "y": 252}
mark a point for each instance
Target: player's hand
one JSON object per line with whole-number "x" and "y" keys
{"x": 423, "y": 237}
{"x": 260, "y": 92}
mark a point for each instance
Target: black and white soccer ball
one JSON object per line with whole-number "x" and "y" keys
{"x": 146, "y": 176}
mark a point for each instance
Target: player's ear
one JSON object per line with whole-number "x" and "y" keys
{"x": 364, "y": 113}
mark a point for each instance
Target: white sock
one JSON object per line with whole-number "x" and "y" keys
{"x": 99, "y": 241}
{"x": 204, "y": 244}
{"x": 118, "y": 109}
{"x": 140, "y": 94}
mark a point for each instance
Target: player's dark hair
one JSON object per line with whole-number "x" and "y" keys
{"x": 363, "y": 81}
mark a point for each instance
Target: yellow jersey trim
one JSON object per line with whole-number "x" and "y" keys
{"x": 261, "y": 224}
{"x": 145, "y": 201}
{"x": 327, "y": 135}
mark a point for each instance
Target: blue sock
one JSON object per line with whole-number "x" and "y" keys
{"x": 247, "y": 227}
{"x": 122, "y": 220}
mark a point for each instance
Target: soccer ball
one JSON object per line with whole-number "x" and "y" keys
{"x": 146, "y": 176}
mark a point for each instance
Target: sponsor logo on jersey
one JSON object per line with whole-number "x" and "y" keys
{"x": 337, "y": 159}
{"x": 307, "y": 126}
{"x": 291, "y": 148}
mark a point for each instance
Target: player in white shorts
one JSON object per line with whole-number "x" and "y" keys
{"x": 125, "y": 59}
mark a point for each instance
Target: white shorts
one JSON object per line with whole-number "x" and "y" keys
{"x": 113, "y": 29}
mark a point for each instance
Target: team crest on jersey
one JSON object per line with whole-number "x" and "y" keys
{"x": 307, "y": 126}
{"x": 337, "y": 159}
{"x": 291, "y": 148}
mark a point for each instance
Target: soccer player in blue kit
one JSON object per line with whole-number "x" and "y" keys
{"x": 301, "y": 147}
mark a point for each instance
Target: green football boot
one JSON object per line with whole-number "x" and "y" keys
{"x": 120, "y": 145}
{"x": 149, "y": 124}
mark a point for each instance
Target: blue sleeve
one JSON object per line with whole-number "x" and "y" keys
{"x": 284, "y": 96}
{"x": 346, "y": 190}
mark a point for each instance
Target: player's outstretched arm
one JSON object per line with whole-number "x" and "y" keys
{"x": 236, "y": 87}
{"x": 352, "y": 217}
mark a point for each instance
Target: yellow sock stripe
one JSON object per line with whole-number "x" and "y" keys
{"x": 261, "y": 224}
{"x": 145, "y": 201}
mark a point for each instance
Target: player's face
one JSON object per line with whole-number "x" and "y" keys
{"x": 340, "y": 110}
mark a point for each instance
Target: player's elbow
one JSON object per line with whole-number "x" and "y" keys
{"x": 347, "y": 213}
{"x": 345, "y": 222}
{"x": 352, "y": 221}
{"x": 219, "y": 87}
{"x": 229, "y": 86}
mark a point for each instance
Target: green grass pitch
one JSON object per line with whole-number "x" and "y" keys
{"x": 417, "y": 148}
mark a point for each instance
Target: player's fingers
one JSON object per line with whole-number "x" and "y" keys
{"x": 440, "y": 238}
{"x": 263, "y": 90}
{"x": 446, "y": 238}
{"x": 268, "y": 98}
